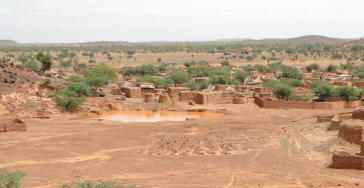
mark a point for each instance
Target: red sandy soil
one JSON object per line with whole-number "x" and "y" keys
{"x": 248, "y": 147}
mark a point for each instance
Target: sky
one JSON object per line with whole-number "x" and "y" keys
{"x": 71, "y": 21}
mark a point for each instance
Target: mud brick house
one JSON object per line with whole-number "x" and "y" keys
{"x": 176, "y": 90}
{"x": 133, "y": 92}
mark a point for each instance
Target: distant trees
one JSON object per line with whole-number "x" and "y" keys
{"x": 313, "y": 66}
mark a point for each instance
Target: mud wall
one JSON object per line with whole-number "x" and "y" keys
{"x": 225, "y": 100}
{"x": 359, "y": 84}
{"x": 335, "y": 123}
{"x": 133, "y": 92}
{"x": 263, "y": 90}
{"x": 149, "y": 98}
{"x": 358, "y": 114}
{"x": 176, "y": 90}
{"x": 10, "y": 124}
{"x": 306, "y": 105}
{"x": 351, "y": 133}
{"x": 324, "y": 118}
{"x": 223, "y": 87}
{"x": 208, "y": 98}
{"x": 187, "y": 95}
{"x": 240, "y": 100}
{"x": 344, "y": 160}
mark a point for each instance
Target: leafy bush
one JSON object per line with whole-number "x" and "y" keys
{"x": 271, "y": 83}
{"x": 261, "y": 68}
{"x": 32, "y": 64}
{"x": 80, "y": 88}
{"x": 331, "y": 68}
{"x": 290, "y": 72}
{"x": 103, "y": 70}
{"x": 304, "y": 97}
{"x": 95, "y": 184}
{"x": 187, "y": 64}
{"x": 82, "y": 65}
{"x": 157, "y": 81}
{"x": 192, "y": 85}
{"x": 323, "y": 90}
{"x": 96, "y": 81}
{"x": 199, "y": 71}
{"x": 242, "y": 56}
{"x": 283, "y": 91}
{"x": 141, "y": 70}
{"x": 65, "y": 64}
{"x": 349, "y": 93}
{"x": 240, "y": 75}
{"x": 10, "y": 179}
{"x": 293, "y": 82}
{"x": 46, "y": 60}
{"x": 203, "y": 62}
{"x": 221, "y": 72}
{"x": 74, "y": 78}
{"x": 179, "y": 77}
{"x": 66, "y": 98}
{"x": 217, "y": 80}
{"x": 359, "y": 73}
{"x": 45, "y": 81}
{"x": 129, "y": 56}
{"x": 249, "y": 68}
{"x": 225, "y": 63}
{"x": 91, "y": 61}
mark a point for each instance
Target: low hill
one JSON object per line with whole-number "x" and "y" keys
{"x": 304, "y": 39}
{"x": 105, "y": 43}
{"x": 360, "y": 41}
{"x": 8, "y": 42}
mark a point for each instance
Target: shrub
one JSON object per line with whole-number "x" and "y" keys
{"x": 82, "y": 183}
{"x": 249, "y": 58}
{"x": 242, "y": 56}
{"x": 293, "y": 82}
{"x": 261, "y": 68}
{"x": 74, "y": 78}
{"x": 249, "y": 68}
{"x": 159, "y": 60}
{"x": 66, "y": 98}
{"x": 240, "y": 75}
{"x": 290, "y": 72}
{"x": 348, "y": 93}
{"x": 80, "y": 88}
{"x": 203, "y": 62}
{"x": 217, "y": 80}
{"x": 162, "y": 68}
{"x": 304, "y": 97}
{"x": 283, "y": 91}
{"x": 324, "y": 90}
{"x": 157, "y": 81}
{"x": 271, "y": 83}
{"x": 141, "y": 70}
{"x": 46, "y": 60}
{"x": 129, "y": 56}
{"x": 91, "y": 61}
{"x": 199, "y": 71}
{"x": 82, "y": 65}
{"x": 193, "y": 63}
{"x": 192, "y": 85}
{"x": 96, "y": 81}
{"x": 10, "y": 179}
{"x": 358, "y": 73}
{"x": 103, "y": 70}
{"x": 45, "y": 81}
{"x": 221, "y": 72}
{"x": 179, "y": 77}
{"x": 331, "y": 68}
{"x": 225, "y": 63}
{"x": 32, "y": 64}
{"x": 187, "y": 64}
{"x": 65, "y": 64}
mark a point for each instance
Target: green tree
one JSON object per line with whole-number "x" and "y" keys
{"x": 66, "y": 98}
{"x": 193, "y": 63}
{"x": 283, "y": 91}
{"x": 324, "y": 90}
{"x": 159, "y": 60}
{"x": 22, "y": 58}
{"x": 203, "y": 62}
{"x": 192, "y": 85}
{"x": 32, "y": 64}
{"x": 187, "y": 64}
{"x": 110, "y": 58}
{"x": 348, "y": 93}
{"x": 96, "y": 81}
{"x": 105, "y": 71}
{"x": 240, "y": 75}
{"x": 46, "y": 61}
{"x": 331, "y": 68}
{"x": 225, "y": 63}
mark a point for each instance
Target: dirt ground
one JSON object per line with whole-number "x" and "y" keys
{"x": 247, "y": 147}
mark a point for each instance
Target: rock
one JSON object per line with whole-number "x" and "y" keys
{"x": 101, "y": 94}
{"x": 193, "y": 103}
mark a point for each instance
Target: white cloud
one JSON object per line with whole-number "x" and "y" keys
{"x": 5, "y": 11}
